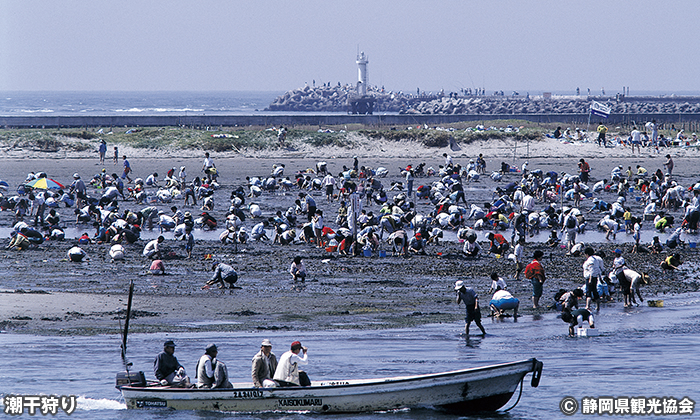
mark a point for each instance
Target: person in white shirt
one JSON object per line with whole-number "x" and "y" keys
{"x": 287, "y": 372}
{"x": 497, "y": 283}
{"x": 152, "y": 249}
{"x": 592, "y": 270}
{"x": 328, "y": 182}
{"x": 76, "y": 254}
{"x": 503, "y": 300}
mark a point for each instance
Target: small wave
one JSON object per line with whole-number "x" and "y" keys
{"x": 176, "y": 110}
{"x": 35, "y": 111}
{"x": 88, "y": 404}
{"x": 130, "y": 110}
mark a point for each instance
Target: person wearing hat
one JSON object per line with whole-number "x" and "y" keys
{"x": 223, "y": 273}
{"x": 535, "y": 273}
{"x": 78, "y": 188}
{"x": 205, "y": 367}
{"x": 287, "y": 372}
{"x": 211, "y": 372}
{"x": 167, "y": 369}
{"x": 264, "y": 366}
{"x": 471, "y": 301}
{"x": 569, "y": 225}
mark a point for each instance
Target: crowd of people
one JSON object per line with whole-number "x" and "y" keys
{"x": 524, "y": 202}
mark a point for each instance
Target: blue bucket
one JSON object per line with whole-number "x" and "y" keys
{"x": 638, "y": 198}
{"x": 693, "y": 245}
{"x": 589, "y": 195}
{"x": 367, "y": 252}
{"x": 382, "y": 253}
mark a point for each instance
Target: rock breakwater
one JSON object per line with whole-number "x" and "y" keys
{"x": 335, "y": 99}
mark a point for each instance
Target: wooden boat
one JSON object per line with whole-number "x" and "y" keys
{"x": 463, "y": 391}
{"x": 486, "y": 388}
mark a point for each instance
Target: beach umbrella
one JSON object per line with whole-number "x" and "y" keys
{"x": 45, "y": 184}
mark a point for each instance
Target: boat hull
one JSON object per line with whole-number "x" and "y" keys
{"x": 481, "y": 389}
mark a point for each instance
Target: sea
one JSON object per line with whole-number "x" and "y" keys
{"x": 643, "y": 355}
{"x": 134, "y": 103}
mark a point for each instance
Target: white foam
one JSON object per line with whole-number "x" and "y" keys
{"x": 88, "y": 404}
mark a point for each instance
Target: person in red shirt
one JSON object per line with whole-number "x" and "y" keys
{"x": 584, "y": 169}
{"x": 535, "y": 273}
{"x": 499, "y": 244}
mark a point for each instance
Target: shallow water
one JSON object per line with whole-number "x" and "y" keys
{"x": 644, "y": 351}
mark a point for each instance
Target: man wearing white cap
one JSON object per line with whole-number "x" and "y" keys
{"x": 264, "y": 366}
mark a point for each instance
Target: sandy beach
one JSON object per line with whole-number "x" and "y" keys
{"x": 42, "y": 293}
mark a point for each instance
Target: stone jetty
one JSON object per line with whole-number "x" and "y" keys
{"x": 335, "y": 99}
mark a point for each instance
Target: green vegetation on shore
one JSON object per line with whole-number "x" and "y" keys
{"x": 224, "y": 139}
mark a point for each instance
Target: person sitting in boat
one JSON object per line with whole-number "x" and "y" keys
{"x": 212, "y": 373}
{"x": 264, "y": 366}
{"x": 287, "y": 372}
{"x": 167, "y": 369}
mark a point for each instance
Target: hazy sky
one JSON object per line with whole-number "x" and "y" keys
{"x": 523, "y": 45}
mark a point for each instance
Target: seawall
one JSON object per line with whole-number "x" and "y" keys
{"x": 325, "y": 119}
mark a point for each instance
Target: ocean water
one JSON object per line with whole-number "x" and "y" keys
{"x": 134, "y": 103}
{"x": 642, "y": 352}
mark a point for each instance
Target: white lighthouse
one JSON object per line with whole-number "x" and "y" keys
{"x": 362, "y": 78}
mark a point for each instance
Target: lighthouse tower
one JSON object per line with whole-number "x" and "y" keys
{"x": 362, "y": 78}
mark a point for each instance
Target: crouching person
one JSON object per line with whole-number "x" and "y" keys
{"x": 576, "y": 318}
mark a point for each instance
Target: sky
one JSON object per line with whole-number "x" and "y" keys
{"x": 229, "y": 45}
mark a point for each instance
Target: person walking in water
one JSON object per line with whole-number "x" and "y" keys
{"x": 471, "y": 301}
